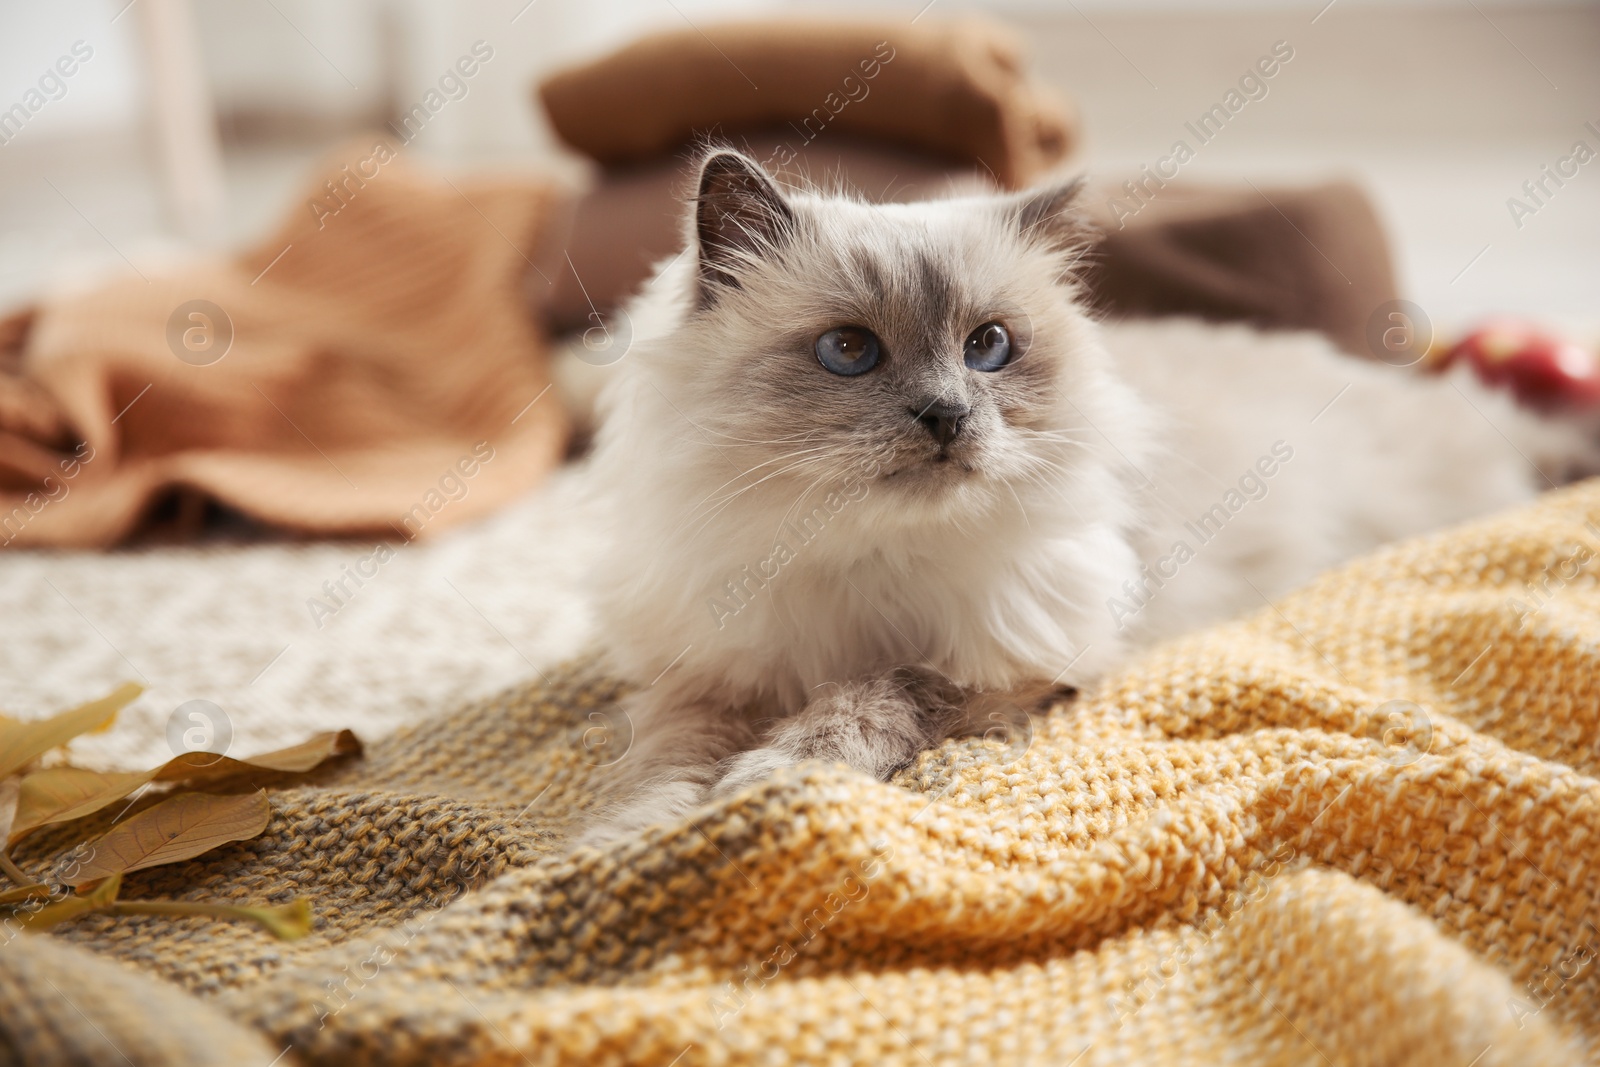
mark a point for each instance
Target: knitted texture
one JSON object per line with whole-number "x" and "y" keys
{"x": 1355, "y": 827}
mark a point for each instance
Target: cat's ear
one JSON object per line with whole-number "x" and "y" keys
{"x": 740, "y": 216}
{"x": 1052, "y": 215}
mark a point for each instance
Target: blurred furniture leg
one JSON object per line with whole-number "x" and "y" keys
{"x": 185, "y": 125}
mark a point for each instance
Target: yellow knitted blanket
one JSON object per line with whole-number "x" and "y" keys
{"x": 1359, "y": 826}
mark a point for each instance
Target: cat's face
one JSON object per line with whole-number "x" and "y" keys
{"x": 930, "y": 351}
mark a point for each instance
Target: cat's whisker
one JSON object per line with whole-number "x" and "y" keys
{"x": 1052, "y": 435}
{"x": 799, "y": 435}
{"x": 1013, "y": 490}
{"x": 723, "y": 504}
{"x": 746, "y": 473}
{"x": 784, "y": 457}
{"x": 815, "y": 484}
{"x": 1056, "y": 436}
{"x": 1053, "y": 488}
{"x": 799, "y": 458}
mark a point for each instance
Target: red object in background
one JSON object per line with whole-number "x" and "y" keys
{"x": 1544, "y": 371}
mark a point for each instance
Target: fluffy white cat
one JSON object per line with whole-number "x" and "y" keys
{"x": 869, "y": 466}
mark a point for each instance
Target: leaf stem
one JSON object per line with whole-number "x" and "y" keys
{"x": 12, "y": 871}
{"x": 176, "y": 907}
{"x": 23, "y": 894}
{"x": 290, "y": 922}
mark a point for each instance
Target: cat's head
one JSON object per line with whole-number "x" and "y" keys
{"x": 934, "y": 351}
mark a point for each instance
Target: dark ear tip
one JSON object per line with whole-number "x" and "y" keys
{"x": 722, "y": 162}
{"x": 1053, "y": 210}
{"x": 723, "y": 153}
{"x": 1061, "y": 193}
{"x": 734, "y": 183}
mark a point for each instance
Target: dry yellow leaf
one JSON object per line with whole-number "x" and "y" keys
{"x": 179, "y": 828}
{"x": 23, "y": 742}
{"x": 61, "y": 794}
{"x": 309, "y": 753}
{"x": 10, "y": 791}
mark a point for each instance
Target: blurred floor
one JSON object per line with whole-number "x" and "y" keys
{"x": 1441, "y": 113}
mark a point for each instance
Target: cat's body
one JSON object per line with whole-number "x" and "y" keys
{"x": 1279, "y": 457}
{"x": 811, "y": 559}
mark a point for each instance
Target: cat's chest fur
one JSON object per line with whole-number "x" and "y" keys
{"x": 990, "y": 614}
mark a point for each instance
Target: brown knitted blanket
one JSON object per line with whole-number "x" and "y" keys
{"x": 1356, "y": 827}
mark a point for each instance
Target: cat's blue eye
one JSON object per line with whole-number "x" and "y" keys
{"x": 988, "y": 347}
{"x": 849, "y": 350}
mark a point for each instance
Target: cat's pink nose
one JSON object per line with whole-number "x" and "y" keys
{"x": 942, "y": 418}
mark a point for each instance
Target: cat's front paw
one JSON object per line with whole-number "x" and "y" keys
{"x": 665, "y": 802}
{"x": 750, "y": 767}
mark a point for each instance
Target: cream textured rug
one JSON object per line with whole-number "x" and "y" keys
{"x": 462, "y": 615}
{"x": 1357, "y": 827}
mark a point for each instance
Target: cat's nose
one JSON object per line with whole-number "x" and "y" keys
{"x": 942, "y": 418}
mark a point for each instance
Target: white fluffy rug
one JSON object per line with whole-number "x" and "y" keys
{"x": 444, "y": 621}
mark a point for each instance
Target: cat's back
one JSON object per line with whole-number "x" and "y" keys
{"x": 1281, "y": 456}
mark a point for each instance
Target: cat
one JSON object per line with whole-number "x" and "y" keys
{"x": 871, "y": 468}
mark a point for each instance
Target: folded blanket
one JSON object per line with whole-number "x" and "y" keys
{"x": 952, "y": 87}
{"x": 367, "y": 368}
{"x": 1308, "y": 258}
{"x": 1355, "y": 827}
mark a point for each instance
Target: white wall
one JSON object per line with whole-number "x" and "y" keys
{"x": 308, "y": 56}
{"x": 105, "y": 91}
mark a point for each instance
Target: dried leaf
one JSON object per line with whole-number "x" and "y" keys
{"x": 309, "y": 753}
{"x": 99, "y": 899}
{"x": 10, "y": 789}
{"x": 23, "y": 742}
{"x": 61, "y": 794}
{"x": 22, "y": 893}
{"x": 296, "y": 759}
{"x": 179, "y": 828}
{"x": 289, "y": 922}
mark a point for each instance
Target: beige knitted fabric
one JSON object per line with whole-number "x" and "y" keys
{"x": 1248, "y": 848}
